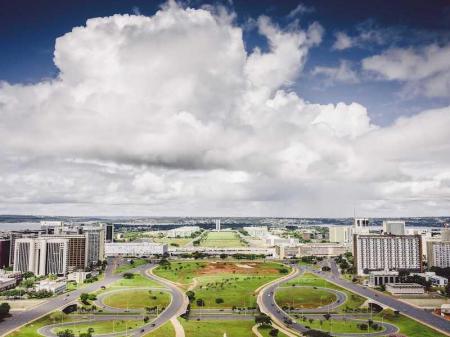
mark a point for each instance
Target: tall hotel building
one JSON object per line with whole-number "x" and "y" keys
{"x": 95, "y": 240}
{"x": 42, "y": 256}
{"x": 387, "y": 252}
{"x": 438, "y": 252}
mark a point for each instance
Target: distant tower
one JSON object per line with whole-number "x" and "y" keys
{"x": 218, "y": 225}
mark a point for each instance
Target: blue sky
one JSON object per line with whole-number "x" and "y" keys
{"x": 235, "y": 108}
{"x": 29, "y": 29}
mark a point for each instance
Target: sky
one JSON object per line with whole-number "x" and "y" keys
{"x": 226, "y": 108}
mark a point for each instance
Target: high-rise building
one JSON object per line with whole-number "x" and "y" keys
{"x": 360, "y": 222}
{"x": 387, "y": 252}
{"x": 95, "y": 240}
{"x": 76, "y": 250}
{"x": 438, "y": 254}
{"x": 42, "y": 256}
{"x": 393, "y": 227}
{"x": 445, "y": 234}
{"x": 49, "y": 226}
{"x": 109, "y": 235}
{"x": 17, "y": 235}
{"x": 4, "y": 252}
{"x": 341, "y": 234}
{"x": 218, "y": 225}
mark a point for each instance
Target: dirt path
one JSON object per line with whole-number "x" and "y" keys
{"x": 179, "y": 330}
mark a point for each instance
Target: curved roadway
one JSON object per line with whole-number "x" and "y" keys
{"x": 267, "y": 304}
{"x": 176, "y": 307}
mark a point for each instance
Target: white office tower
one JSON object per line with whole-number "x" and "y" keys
{"x": 384, "y": 252}
{"x": 393, "y": 227}
{"x": 95, "y": 241}
{"x": 361, "y": 226}
{"x": 445, "y": 234}
{"x": 341, "y": 234}
{"x": 42, "y": 256}
{"x": 438, "y": 254}
{"x": 218, "y": 225}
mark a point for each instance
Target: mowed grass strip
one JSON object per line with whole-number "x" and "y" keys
{"x": 265, "y": 331}
{"x": 336, "y": 325}
{"x": 137, "y": 281}
{"x": 408, "y": 326}
{"x": 224, "y": 239}
{"x": 306, "y": 297}
{"x": 30, "y": 330}
{"x": 210, "y": 328}
{"x": 166, "y": 330}
{"x": 180, "y": 272}
{"x": 103, "y": 327}
{"x": 354, "y": 301}
{"x": 136, "y": 299}
{"x": 130, "y": 265}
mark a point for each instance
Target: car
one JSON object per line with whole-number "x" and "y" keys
{"x": 142, "y": 330}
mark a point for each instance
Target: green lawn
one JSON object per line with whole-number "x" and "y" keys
{"x": 223, "y": 239}
{"x": 181, "y": 272}
{"x": 212, "y": 328}
{"x": 303, "y": 297}
{"x": 30, "y": 330}
{"x": 409, "y": 327}
{"x": 353, "y": 302}
{"x": 127, "y": 266}
{"x": 103, "y": 327}
{"x": 235, "y": 290}
{"x": 263, "y": 330}
{"x": 337, "y": 326}
{"x": 136, "y": 299}
{"x": 165, "y": 330}
{"x": 137, "y": 281}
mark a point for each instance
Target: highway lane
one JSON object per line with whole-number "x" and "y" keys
{"x": 176, "y": 307}
{"x": 409, "y": 310}
{"x": 18, "y": 319}
{"x": 267, "y": 304}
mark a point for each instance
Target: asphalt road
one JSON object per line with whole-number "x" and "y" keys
{"x": 176, "y": 307}
{"x": 409, "y": 310}
{"x": 18, "y": 319}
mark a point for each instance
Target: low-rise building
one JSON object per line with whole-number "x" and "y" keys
{"x": 182, "y": 232}
{"x": 79, "y": 276}
{"x": 135, "y": 249}
{"x": 7, "y": 283}
{"x": 405, "y": 288}
{"x": 283, "y": 252}
{"x": 322, "y": 249}
{"x": 381, "y": 277}
{"x": 259, "y": 231}
{"x": 51, "y": 286}
{"x": 445, "y": 309}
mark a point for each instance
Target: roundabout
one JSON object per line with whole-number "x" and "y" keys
{"x": 134, "y": 299}
{"x": 316, "y": 316}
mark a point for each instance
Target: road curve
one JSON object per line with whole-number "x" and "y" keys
{"x": 267, "y": 304}
{"x": 17, "y": 320}
{"x": 415, "y": 313}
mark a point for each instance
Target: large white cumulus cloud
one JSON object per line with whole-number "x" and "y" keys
{"x": 170, "y": 114}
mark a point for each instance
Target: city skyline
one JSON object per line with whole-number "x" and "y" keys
{"x": 232, "y": 109}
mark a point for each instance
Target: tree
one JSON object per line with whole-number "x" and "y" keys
{"x": 223, "y": 256}
{"x": 28, "y": 274}
{"x": 273, "y": 333}
{"x": 263, "y": 319}
{"x": 4, "y": 309}
{"x": 219, "y": 300}
{"x": 200, "y": 302}
{"x": 65, "y": 333}
{"x": 447, "y": 290}
{"x": 327, "y": 316}
{"x": 128, "y": 275}
{"x": 191, "y": 295}
{"x": 84, "y": 298}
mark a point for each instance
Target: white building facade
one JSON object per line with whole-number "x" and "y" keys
{"x": 387, "y": 252}
{"x": 133, "y": 249}
{"x": 438, "y": 254}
